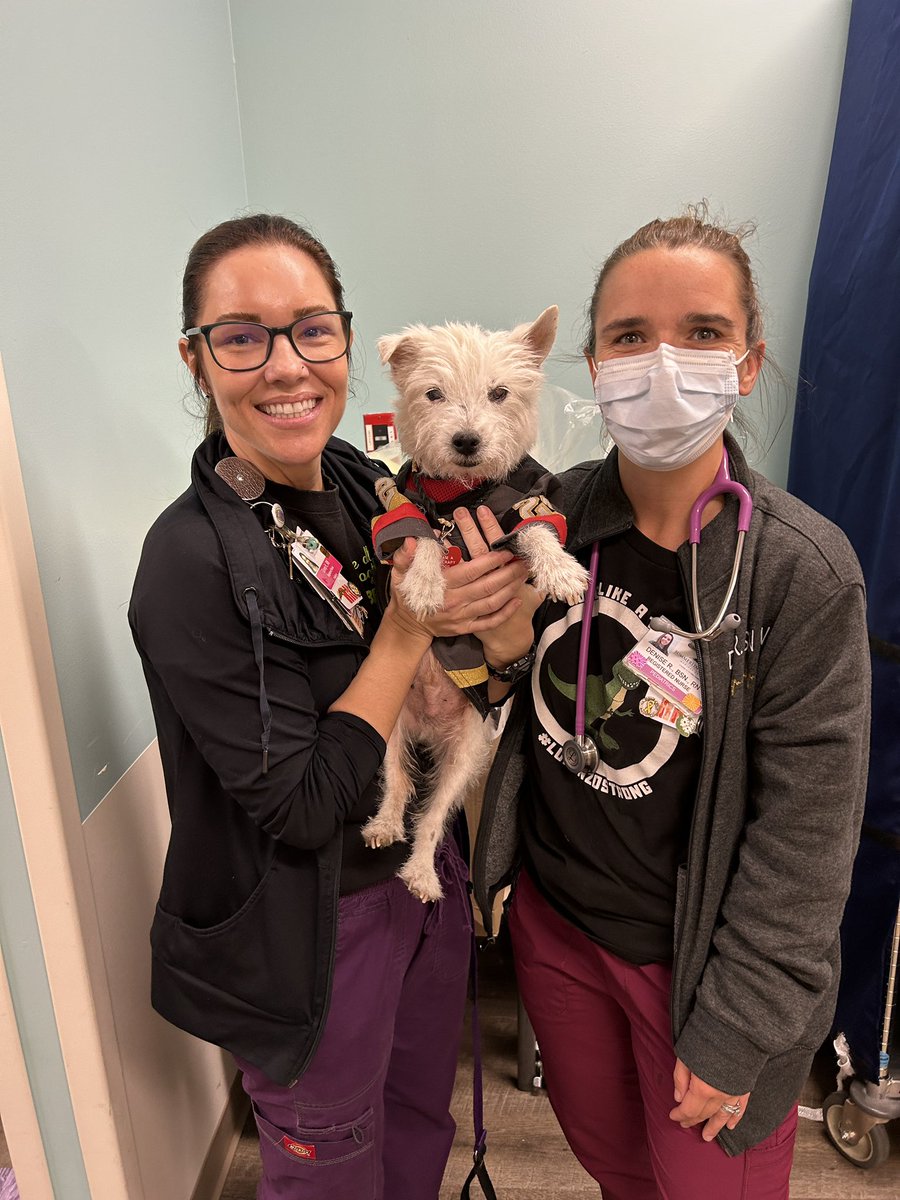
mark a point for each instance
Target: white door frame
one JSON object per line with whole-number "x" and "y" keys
{"x": 47, "y": 810}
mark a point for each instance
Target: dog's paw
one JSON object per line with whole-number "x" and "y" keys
{"x": 424, "y": 595}
{"x": 421, "y": 879}
{"x": 381, "y": 831}
{"x": 553, "y": 571}
{"x": 423, "y": 585}
{"x": 562, "y": 579}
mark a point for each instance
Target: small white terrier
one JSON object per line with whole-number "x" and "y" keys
{"x": 466, "y": 416}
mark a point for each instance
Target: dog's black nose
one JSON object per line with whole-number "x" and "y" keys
{"x": 466, "y": 443}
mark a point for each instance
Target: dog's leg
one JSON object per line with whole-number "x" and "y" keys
{"x": 553, "y": 571}
{"x": 423, "y": 585}
{"x": 459, "y": 761}
{"x": 398, "y": 788}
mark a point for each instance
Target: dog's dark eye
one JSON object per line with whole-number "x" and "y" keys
{"x": 498, "y": 393}
{"x": 434, "y": 394}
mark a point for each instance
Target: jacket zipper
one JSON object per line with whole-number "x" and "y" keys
{"x": 678, "y": 957}
{"x": 329, "y": 980}
{"x": 277, "y": 636}
{"x": 487, "y": 816}
{"x": 287, "y": 640}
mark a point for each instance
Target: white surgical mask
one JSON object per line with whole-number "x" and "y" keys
{"x": 666, "y": 408}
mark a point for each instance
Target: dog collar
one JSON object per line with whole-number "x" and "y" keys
{"x": 442, "y": 491}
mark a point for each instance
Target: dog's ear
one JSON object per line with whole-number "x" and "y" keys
{"x": 396, "y": 351}
{"x": 541, "y": 334}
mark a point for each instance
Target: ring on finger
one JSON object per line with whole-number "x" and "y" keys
{"x": 733, "y": 1110}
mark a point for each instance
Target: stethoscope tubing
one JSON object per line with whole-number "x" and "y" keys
{"x": 723, "y": 622}
{"x": 586, "y": 614}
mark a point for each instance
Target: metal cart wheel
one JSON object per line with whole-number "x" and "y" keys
{"x": 873, "y": 1147}
{"x": 529, "y": 1075}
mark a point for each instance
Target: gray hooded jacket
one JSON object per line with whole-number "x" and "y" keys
{"x": 779, "y": 799}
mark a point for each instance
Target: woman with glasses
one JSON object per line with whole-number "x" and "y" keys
{"x": 275, "y": 682}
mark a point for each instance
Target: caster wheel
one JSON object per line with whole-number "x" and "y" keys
{"x": 873, "y": 1147}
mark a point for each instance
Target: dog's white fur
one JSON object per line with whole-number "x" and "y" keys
{"x": 467, "y": 408}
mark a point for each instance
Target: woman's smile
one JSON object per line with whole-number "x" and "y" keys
{"x": 289, "y": 408}
{"x": 280, "y": 415}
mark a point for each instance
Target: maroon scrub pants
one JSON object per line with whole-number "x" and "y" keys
{"x": 604, "y": 1030}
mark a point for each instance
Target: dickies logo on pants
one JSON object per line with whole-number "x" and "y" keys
{"x": 298, "y": 1149}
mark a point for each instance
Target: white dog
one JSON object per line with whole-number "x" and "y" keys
{"x": 466, "y": 415}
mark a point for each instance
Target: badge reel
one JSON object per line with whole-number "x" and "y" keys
{"x": 303, "y": 550}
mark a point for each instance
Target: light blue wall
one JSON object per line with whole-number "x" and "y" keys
{"x": 120, "y": 145}
{"x": 473, "y": 160}
{"x": 477, "y": 160}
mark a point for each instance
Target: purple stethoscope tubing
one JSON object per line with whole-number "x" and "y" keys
{"x": 586, "y": 614}
{"x": 722, "y": 484}
{"x": 578, "y": 754}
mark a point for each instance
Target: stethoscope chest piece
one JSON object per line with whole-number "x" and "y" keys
{"x": 581, "y": 754}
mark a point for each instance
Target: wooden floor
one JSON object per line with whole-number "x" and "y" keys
{"x": 528, "y": 1156}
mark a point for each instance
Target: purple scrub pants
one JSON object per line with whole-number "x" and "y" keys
{"x": 605, "y": 1035}
{"x": 370, "y": 1118}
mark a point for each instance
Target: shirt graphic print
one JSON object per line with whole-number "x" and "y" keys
{"x": 604, "y": 846}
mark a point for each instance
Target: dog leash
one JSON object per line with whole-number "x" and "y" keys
{"x": 479, "y": 1169}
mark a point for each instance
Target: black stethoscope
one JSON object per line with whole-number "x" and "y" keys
{"x": 580, "y": 753}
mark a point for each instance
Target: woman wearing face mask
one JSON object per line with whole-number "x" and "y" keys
{"x": 677, "y": 900}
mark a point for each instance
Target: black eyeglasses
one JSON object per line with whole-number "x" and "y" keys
{"x": 246, "y": 345}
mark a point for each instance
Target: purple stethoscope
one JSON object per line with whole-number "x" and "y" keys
{"x": 580, "y": 753}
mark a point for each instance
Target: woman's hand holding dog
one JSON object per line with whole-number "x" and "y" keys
{"x": 510, "y": 637}
{"x": 482, "y": 594}
{"x": 487, "y": 596}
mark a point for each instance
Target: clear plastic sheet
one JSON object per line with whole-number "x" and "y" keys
{"x": 570, "y": 429}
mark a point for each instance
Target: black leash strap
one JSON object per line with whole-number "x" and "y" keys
{"x": 479, "y": 1169}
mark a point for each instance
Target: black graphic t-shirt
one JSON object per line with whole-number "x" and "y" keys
{"x": 604, "y": 848}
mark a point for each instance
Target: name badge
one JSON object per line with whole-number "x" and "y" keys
{"x": 668, "y": 664}
{"x": 324, "y": 570}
